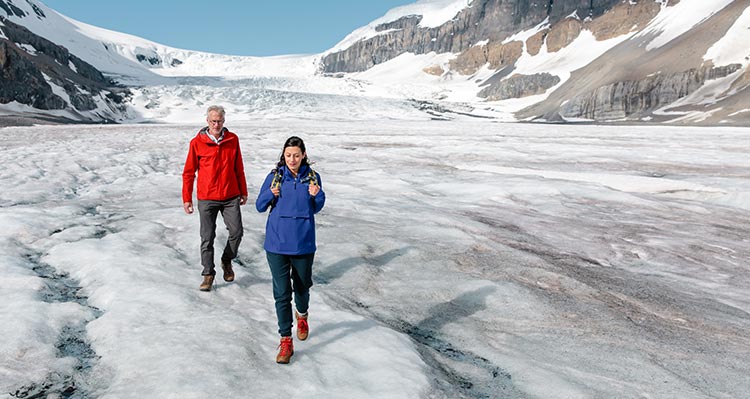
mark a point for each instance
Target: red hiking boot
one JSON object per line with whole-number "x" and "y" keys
{"x": 286, "y": 350}
{"x": 303, "y": 329}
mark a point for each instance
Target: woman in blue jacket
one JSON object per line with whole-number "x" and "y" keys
{"x": 294, "y": 193}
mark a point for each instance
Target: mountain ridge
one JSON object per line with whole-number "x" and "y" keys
{"x": 42, "y": 75}
{"x": 637, "y": 61}
{"x": 551, "y": 30}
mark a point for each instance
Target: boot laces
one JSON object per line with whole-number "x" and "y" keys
{"x": 285, "y": 347}
{"x": 302, "y": 324}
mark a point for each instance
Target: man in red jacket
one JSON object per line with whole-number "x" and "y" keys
{"x": 215, "y": 155}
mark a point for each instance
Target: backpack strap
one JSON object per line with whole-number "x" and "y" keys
{"x": 313, "y": 176}
{"x": 277, "y": 178}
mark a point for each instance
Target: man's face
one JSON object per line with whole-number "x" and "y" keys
{"x": 215, "y": 122}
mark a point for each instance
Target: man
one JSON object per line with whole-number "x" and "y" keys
{"x": 215, "y": 155}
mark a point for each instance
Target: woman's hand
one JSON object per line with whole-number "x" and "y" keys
{"x": 275, "y": 191}
{"x": 314, "y": 189}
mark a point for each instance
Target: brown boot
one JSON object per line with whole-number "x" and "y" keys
{"x": 303, "y": 329}
{"x": 208, "y": 281}
{"x": 228, "y": 272}
{"x": 286, "y": 350}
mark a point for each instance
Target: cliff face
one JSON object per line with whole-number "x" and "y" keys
{"x": 43, "y": 75}
{"x": 637, "y": 98}
{"x": 627, "y": 81}
{"x": 492, "y": 20}
{"x": 633, "y": 83}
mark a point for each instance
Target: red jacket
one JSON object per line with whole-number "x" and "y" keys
{"x": 221, "y": 174}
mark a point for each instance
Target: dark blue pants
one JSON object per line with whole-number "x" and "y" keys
{"x": 291, "y": 273}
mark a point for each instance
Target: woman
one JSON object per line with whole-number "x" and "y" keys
{"x": 294, "y": 192}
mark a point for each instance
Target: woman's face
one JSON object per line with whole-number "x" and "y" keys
{"x": 293, "y": 157}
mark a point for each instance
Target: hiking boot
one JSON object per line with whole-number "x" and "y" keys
{"x": 303, "y": 329}
{"x": 286, "y": 350}
{"x": 208, "y": 281}
{"x": 228, "y": 272}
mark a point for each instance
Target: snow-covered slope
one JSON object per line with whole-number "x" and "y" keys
{"x": 623, "y": 60}
{"x": 132, "y": 59}
{"x": 432, "y": 13}
{"x": 512, "y": 71}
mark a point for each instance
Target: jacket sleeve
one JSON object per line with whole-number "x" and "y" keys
{"x": 239, "y": 170}
{"x": 265, "y": 196}
{"x": 320, "y": 199}
{"x": 188, "y": 173}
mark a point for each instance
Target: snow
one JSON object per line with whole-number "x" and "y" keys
{"x": 68, "y": 33}
{"x": 740, "y": 112}
{"x": 269, "y": 98}
{"x": 456, "y": 259}
{"x": 172, "y": 85}
{"x": 732, "y": 48}
{"x": 677, "y": 19}
{"x": 119, "y": 58}
{"x": 27, "y": 48}
{"x": 56, "y": 89}
{"x": 574, "y": 15}
{"x": 710, "y": 93}
{"x": 524, "y": 35}
{"x": 582, "y": 51}
{"x": 433, "y": 12}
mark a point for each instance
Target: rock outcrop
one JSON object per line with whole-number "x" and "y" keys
{"x": 492, "y": 20}
{"x": 632, "y": 82}
{"x": 517, "y": 86}
{"x": 628, "y": 99}
{"x": 625, "y": 80}
{"x": 30, "y": 65}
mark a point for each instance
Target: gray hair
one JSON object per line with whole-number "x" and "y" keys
{"x": 216, "y": 108}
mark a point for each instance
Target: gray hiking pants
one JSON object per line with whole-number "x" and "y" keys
{"x": 208, "y": 211}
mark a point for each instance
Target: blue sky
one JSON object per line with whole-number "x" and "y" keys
{"x": 232, "y": 26}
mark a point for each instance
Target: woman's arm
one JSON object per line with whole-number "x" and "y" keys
{"x": 319, "y": 199}
{"x": 265, "y": 196}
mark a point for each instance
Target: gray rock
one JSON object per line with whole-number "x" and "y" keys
{"x": 23, "y": 82}
{"x": 637, "y": 98}
{"x": 518, "y": 86}
{"x": 10, "y": 9}
{"x": 484, "y": 19}
{"x": 22, "y": 74}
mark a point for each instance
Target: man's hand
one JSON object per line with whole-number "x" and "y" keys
{"x": 243, "y": 199}
{"x": 188, "y": 206}
{"x": 275, "y": 191}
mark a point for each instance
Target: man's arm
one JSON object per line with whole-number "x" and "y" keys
{"x": 239, "y": 169}
{"x": 188, "y": 179}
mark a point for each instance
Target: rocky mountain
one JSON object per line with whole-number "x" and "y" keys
{"x": 491, "y": 20}
{"x": 39, "y": 75}
{"x": 128, "y": 78}
{"x": 645, "y": 61}
{"x": 580, "y": 60}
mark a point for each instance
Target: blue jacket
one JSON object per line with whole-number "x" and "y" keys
{"x": 290, "y": 228}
